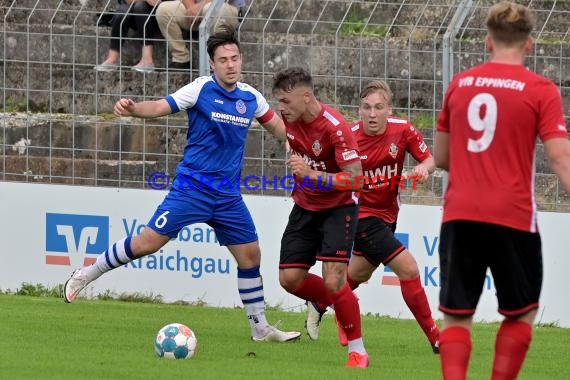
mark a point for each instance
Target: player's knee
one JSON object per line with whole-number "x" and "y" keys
{"x": 289, "y": 281}
{"x": 527, "y": 317}
{"x": 405, "y": 266}
{"x": 334, "y": 283}
{"x": 147, "y": 242}
{"x": 408, "y": 273}
{"x": 248, "y": 259}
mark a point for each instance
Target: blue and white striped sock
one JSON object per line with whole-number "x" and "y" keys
{"x": 250, "y": 287}
{"x": 116, "y": 255}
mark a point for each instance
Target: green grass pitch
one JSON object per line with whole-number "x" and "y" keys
{"x": 44, "y": 338}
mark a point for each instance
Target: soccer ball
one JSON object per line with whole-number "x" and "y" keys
{"x": 175, "y": 341}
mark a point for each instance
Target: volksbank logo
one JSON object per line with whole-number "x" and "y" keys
{"x": 75, "y": 240}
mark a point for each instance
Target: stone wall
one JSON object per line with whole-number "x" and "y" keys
{"x": 48, "y": 50}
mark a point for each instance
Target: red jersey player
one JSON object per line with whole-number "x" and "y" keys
{"x": 383, "y": 141}
{"x": 486, "y": 134}
{"x": 322, "y": 223}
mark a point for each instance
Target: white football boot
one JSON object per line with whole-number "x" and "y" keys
{"x": 313, "y": 320}
{"x": 273, "y": 334}
{"x": 74, "y": 285}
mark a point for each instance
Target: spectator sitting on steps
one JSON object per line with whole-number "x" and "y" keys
{"x": 138, "y": 15}
{"x": 175, "y": 16}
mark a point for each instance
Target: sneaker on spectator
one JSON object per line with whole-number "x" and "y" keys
{"x": 106, "y": 67}
{"x": 147, "y": 69}
{"x": 356, "y": 360}
{"x": 179, "y": 66}
{"x": 314, "y": 316}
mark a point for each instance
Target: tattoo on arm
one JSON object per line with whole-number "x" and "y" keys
{"x": 350, "y": 179}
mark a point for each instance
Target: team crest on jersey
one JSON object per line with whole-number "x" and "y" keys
{"x": 393, "y": 150}
{"x": 317, "y": 147}
{"x": 240, "y": 107}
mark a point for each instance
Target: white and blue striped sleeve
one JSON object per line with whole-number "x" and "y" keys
{"x": 187, "y": 96}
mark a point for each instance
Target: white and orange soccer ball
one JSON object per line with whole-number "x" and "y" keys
{"x": 175, "y": 341}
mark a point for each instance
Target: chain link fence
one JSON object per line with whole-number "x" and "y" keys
{"x": 56, "y": 111}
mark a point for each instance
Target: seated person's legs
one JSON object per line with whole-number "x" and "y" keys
{"x": 147, "y": 29}
{"x": 228, "y": 15}
{"x": 172, "y": 20}
{"x": 120, "y": 25}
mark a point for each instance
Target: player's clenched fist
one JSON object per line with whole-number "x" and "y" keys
{"x": 124, "y": 107}
{"x": 298, "y": 166}
{"x": 421, "y": 172}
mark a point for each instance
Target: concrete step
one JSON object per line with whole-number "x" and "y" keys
{"x": 80, "y": 45}
{"x": 65, "y": 88}
{"x": 48, "y": 12}
{"x": 66, "y": 136}
{"x": 80, "y": 171}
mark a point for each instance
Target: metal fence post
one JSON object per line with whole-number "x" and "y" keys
{"x": 204, "y": 30}
{"x": 447, "y": 60}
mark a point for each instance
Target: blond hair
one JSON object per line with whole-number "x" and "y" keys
{"x": 377, "y": 86}
{"x": 509, "y": 23}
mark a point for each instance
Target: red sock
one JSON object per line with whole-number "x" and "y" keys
{"x": 347, "y": 312}
{"x": 511, "y": 346}
{"x": 455, "y": 350}
{"x": 313, "y": 289}
{"x": 353, "y": 285}
{"x": 417, "y": 302}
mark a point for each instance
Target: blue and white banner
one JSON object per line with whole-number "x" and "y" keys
{"x": 49, "y": 230}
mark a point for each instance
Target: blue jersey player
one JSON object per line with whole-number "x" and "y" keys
{"x": 220, "y": 111}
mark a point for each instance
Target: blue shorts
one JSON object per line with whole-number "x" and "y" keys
{"x": 226, "y": 213}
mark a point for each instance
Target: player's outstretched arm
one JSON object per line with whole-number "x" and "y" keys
{"x": 558, "y": 152}
{"x": 441, "y": 153}
{"x": 146, "y": 109}
{"x": 276, "y": 127}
